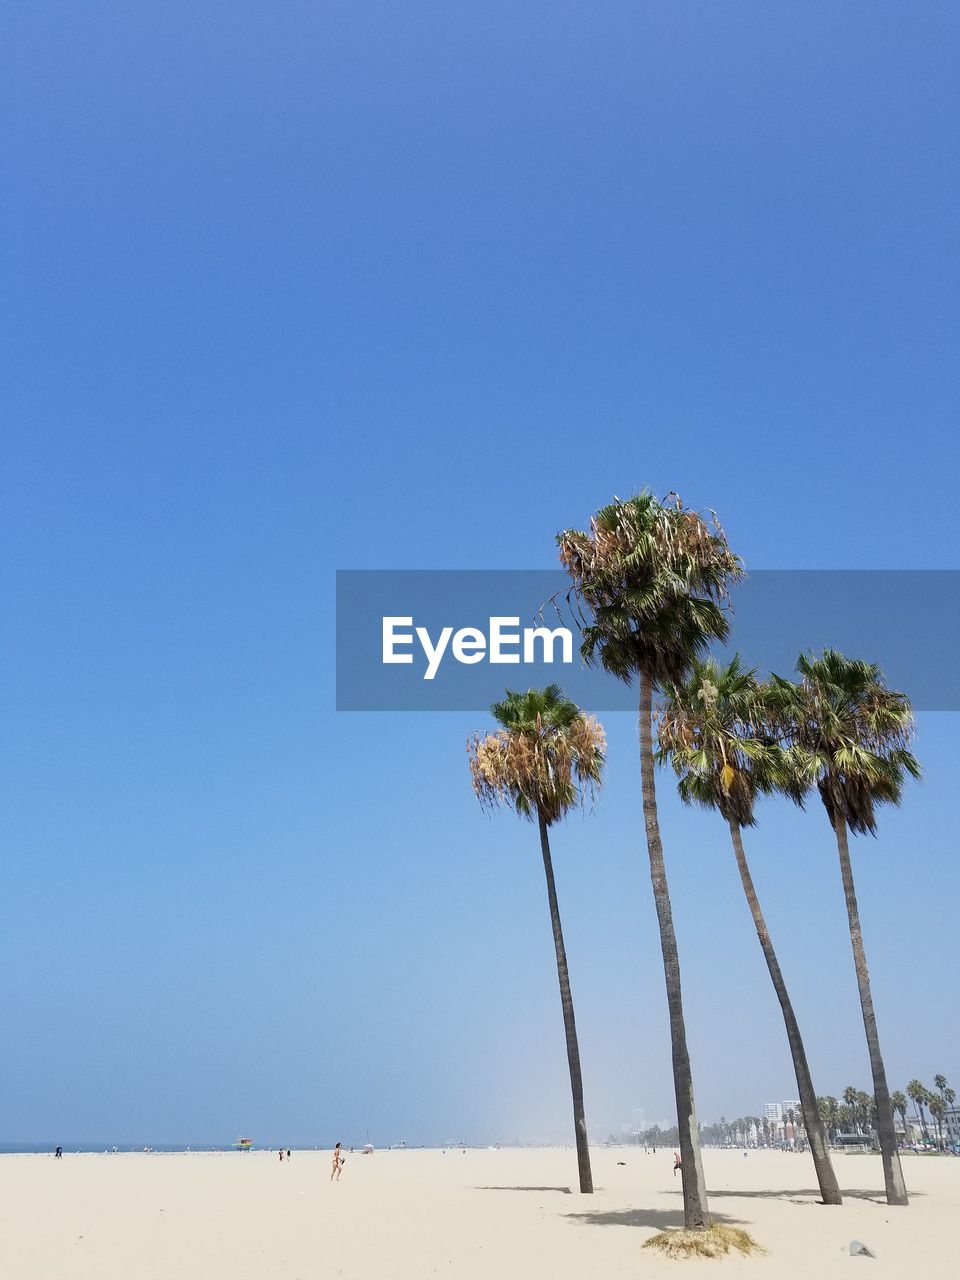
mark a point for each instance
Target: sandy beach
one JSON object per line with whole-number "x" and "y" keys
{"x": 485, "y": 1213}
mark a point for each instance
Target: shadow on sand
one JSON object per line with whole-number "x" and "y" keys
{"x": 563, "y": 1190}
{"x": 658, "y": 1219}
{"x": 798, "y": 1195}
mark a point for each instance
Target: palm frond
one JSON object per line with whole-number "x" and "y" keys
{"x": 653, "y": 579}
{"x": 848, "y": 735}
{"x": 708, "y": 730}
{"x": 546, "y": 757}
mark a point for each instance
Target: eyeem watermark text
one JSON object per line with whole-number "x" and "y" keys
{"x": 503, "y": 642}
{"x": 452, "y": 640}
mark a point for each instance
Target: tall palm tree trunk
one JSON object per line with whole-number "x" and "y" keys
{"x": 569, "y": 1022}
{"x": 892, "y": 1173}
{"x": 812, "y": 1120}
{"x": 923, "y": 1120}
{"x": 695, "y": 1211}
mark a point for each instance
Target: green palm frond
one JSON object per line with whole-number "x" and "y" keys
{"x": 845, "y": 733}
{"x": 652, "y": 578}
{"x": 711, "y": 731}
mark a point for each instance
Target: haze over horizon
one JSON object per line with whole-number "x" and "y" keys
{"x": 296, "y": 289}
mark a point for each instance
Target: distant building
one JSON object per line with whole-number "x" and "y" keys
{"x": 951, "y": 1125}
{"x": 912, "y": 1132}
{"x": 781, "y": 1127}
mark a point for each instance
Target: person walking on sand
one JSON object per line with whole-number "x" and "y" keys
{"x": 676, "y": 1163}
{"x": 338, "y": 1163}
{"x": 59, "y": 1153}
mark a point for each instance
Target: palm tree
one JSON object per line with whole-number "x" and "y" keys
{"x": 706, "y": 732}
{"x": 898, "y": 1101}
{"x": 652, "y": 578}
{"x": 919, "y": 1094}
{"x": 545, "y": 759}
{"x": 849, "y": 735}
{"x": 848, "y": 1122}
{"x": 829, "y": 1109}
{"x": 937, "y": 1109}
{"x": 868, "y": 1111}
{"x": 947, "y": 1095}
{"x": 851, "y": 1098}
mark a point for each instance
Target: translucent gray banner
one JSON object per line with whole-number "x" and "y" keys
{"x": 442, "y": 647}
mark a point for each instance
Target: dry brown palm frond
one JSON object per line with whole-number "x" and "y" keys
{"x": 540, "y": 770}
{"x": 589, "y": 743}
{"x": 715, "y": 1241}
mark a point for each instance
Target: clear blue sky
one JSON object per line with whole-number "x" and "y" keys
{"x": 288, "y": 288}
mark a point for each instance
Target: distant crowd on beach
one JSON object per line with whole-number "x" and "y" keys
{"x": 285, "y": 1154}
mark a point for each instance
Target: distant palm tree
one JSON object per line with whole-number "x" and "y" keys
{"x": 937, "y": 1110}
{"x": 829, "y": 1110}
{"x": 849, "y": 736}
{"x": 898, "y": 1101}
{"x": 919, "y": 1095}
{"x": 947, "y": 1095}
{"x": 851, "y": 1098}
{"x": 706, "y": 732}
{"x": 541, "y": 763}
{"x": 868, "y": 1111}
{"x": 652, "y": 577}
{"x": 949, "y": 1098}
